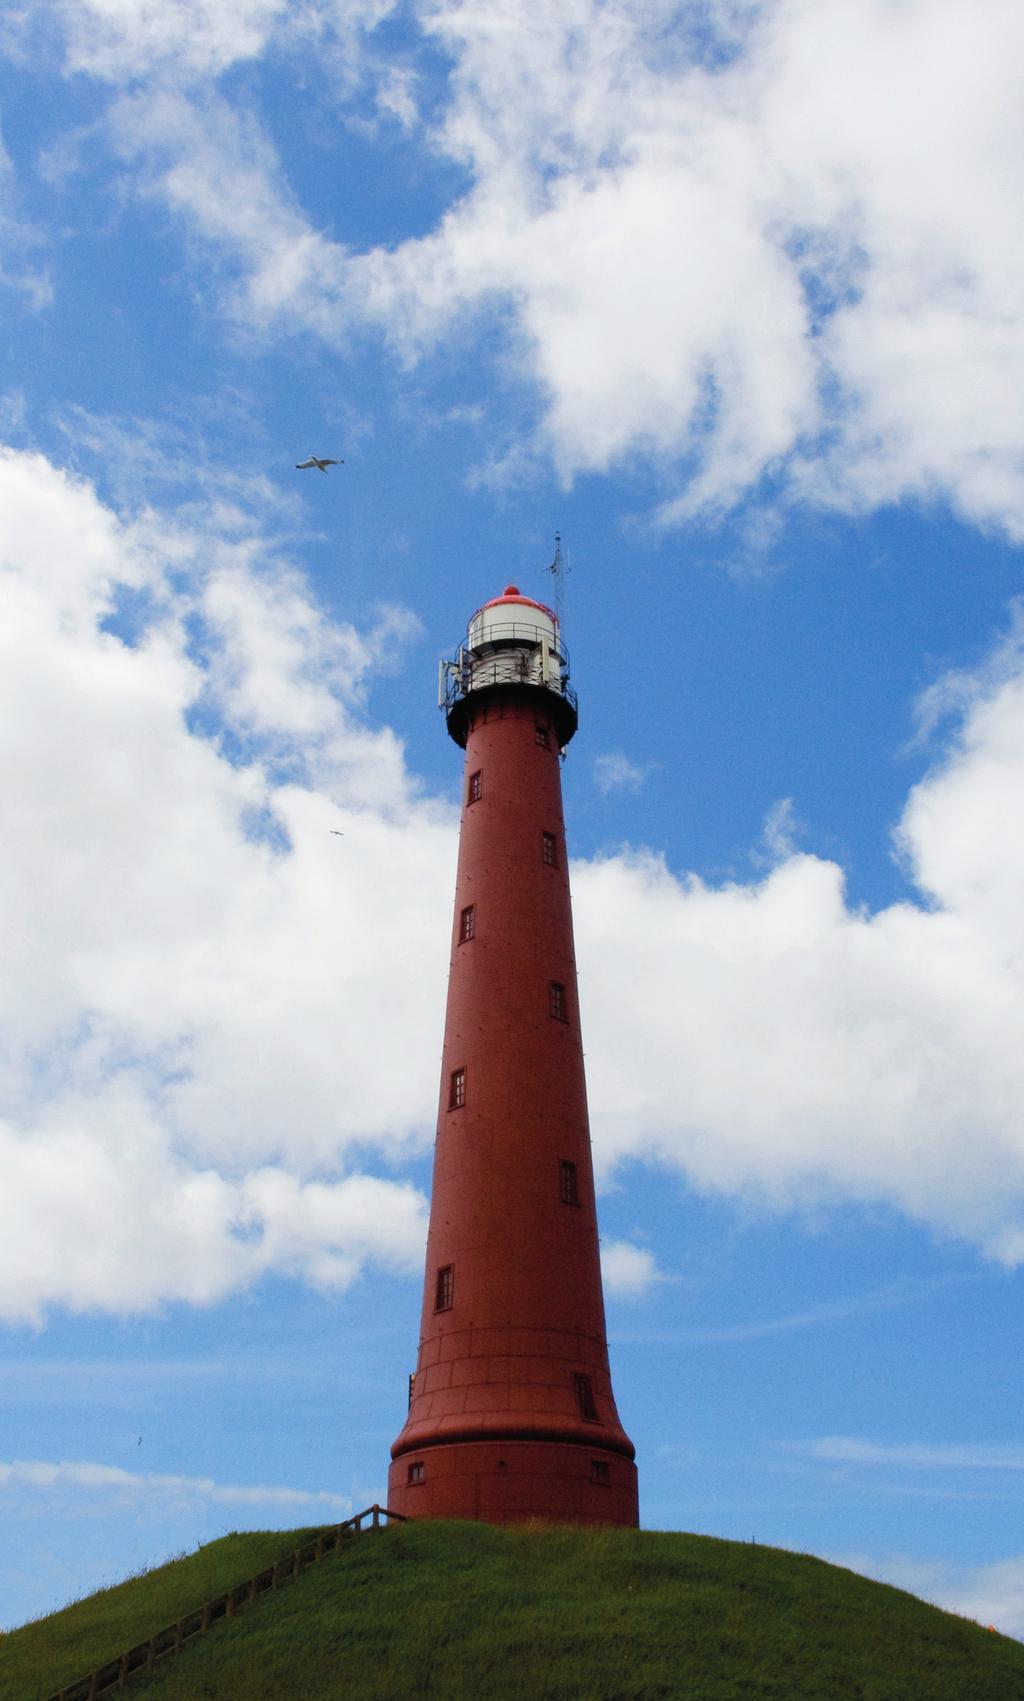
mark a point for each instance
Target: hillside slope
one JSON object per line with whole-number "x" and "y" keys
{"x": 541, "y": 1614}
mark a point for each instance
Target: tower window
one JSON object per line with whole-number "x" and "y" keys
{"x": 584, "y": 1391}
{"x": 569, "y": 1192}
{"x": 467, "y": 923}
{"x": 543, "y": 738}
{"x": 556, "y": 1001}
{"x": 476, "y": 786}
{"x": 412, "y": 1387}
{"x": 444, "y": 1288}
{"x": 457, "y": 1090}
{"x": 547, "y": 849}
{"x": 599, "y": 1472}
{"x": 418, "y": 1474}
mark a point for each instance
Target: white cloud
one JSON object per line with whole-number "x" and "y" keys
{"x": 781, "y": 830}
{"x": 213, "y": 164}
{"x": 731, "y": 254}
{"x": 846, "y": 1449}
{"x": 100, "y": 1214}
{"x": 18, "y": 240}
{"x": 68, "y": 1477}
{"x": 892, "y": 1297}
{"x": 628, "y": 1271}
{"x": 769, "y": 1040}
{"x": 614, "y": 771}
{"x": 123, "y": 39}
{"x": 198, "y": 1001}
{"x": 775, "y": 238}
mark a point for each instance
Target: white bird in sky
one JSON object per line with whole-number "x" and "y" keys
{"x": 316, "y": 461}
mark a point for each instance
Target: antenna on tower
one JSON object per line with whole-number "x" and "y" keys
{"x": 559, "y": 570}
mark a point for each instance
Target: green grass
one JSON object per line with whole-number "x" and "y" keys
{"x": 467, "y": 1611}
{"x": 38, "y": 1658}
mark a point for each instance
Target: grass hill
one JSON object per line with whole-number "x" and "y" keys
{"x": 468, "y": 1612}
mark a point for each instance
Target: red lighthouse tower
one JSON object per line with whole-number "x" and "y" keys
{"x": 511, "y": 1412}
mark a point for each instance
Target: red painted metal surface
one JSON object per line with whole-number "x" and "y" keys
{"x": 512, "y": 1414}
{"x": 513, "y": 596}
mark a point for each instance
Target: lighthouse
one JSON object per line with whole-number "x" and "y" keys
{"x": 511, "y": 1411}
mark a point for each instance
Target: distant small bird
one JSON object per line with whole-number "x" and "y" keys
{"x": 316, "y": 461}
{"x": 334, "y": 830}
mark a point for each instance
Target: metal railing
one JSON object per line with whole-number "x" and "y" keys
{"x": 115, "y": 1673}
{"x": 515, "y": 632}
{"x": 512, "y": 653}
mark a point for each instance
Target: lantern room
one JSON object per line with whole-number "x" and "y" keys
{"x": 511, "y": 641}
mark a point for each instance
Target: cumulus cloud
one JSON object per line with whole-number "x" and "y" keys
{"x": 737, "y": 240}
{"x": 615, "y": 771}
{"x": 195, "y": 1023}
{"x": 783, "y": 238}
{"x": 628, "y": 1271}
{"x": 783, "y": 1045}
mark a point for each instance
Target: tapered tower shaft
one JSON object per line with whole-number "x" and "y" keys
{"x": 511, "y": 1413}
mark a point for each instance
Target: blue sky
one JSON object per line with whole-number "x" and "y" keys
{"x": 728, "y": 295}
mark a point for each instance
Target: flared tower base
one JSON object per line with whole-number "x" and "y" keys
{"x": 509, "y": 1482}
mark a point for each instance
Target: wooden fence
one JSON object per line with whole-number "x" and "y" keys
{"x": 145, "y": 1655}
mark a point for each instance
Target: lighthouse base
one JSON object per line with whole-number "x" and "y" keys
{"x": 508, "y": 1482}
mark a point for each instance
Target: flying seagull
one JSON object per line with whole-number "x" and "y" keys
{"x": 317, "y": 461}
{"x": 337, "y": 835}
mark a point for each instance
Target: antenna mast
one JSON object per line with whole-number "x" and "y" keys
{"x": 559, "y": 570}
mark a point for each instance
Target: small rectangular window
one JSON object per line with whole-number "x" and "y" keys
{"x": 418, "y": 1474}
{"x": 476, "y": 786}
{"x": 584, "y": 1391}
{"x": 556, "y": 1002}
{"x": 467, "y": 923}
{"x": 568, "y": 1186}
{"x": 547, "y": 849}
{"x": 457, "y": 1090}
{"x": 444, "y": 1288}
{"x": 542, "y": 738}
{"x": 599, "y": 1472}
{"x": 412, "y": 1386}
